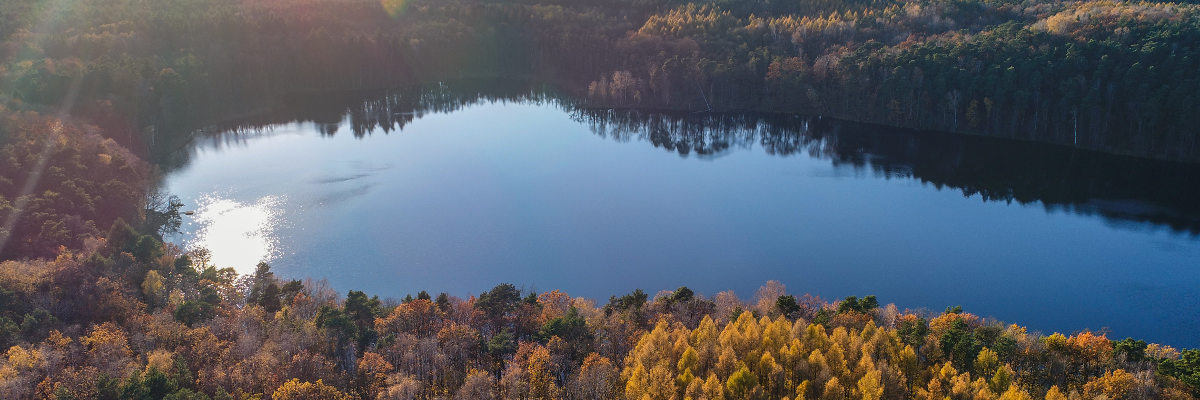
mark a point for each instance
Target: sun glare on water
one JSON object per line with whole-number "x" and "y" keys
{"x": 237, "y": 234}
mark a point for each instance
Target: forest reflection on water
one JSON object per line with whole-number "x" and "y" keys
{"x": 1130, "y": 192}
{"x": 447, "y": 190}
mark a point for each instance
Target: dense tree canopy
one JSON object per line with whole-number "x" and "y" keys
{"x": 62, "y": 183}
{"x": 1111, "y": 75}
{"x": 169, "y": 326}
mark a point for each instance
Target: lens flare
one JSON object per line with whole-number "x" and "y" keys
{"x": 394, "y": 7}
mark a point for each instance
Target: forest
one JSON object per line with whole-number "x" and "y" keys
{"x": 95, "y": 96}
{"x": 128, "y": 317}
{"x": 1106, "y": 75}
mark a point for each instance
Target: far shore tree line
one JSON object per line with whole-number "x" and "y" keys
{"x": 1116, "y": 76}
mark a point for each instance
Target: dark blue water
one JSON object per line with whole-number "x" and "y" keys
{"x": 596, "y": 204}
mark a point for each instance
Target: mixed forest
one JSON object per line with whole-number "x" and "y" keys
{"x": 96, "y": 95}
{"x": 1107, "y": 75}
{"x": 130, "y": 318}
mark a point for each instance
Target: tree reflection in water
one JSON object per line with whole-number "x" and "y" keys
{"x": 1126, "y": 191}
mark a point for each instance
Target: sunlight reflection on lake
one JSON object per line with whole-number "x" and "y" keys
{"x": 237, "y": 234}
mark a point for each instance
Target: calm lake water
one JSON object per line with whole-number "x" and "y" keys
{"x": 436, "y": 192}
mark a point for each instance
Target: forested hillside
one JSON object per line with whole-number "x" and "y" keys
{"x": 62, "y": 185}
{"x": 1107, "y": 75}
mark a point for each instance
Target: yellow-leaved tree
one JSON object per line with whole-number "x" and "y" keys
{"x": 297, "y": 390}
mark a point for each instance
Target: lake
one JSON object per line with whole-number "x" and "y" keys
{"x": 429, "y": 190}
